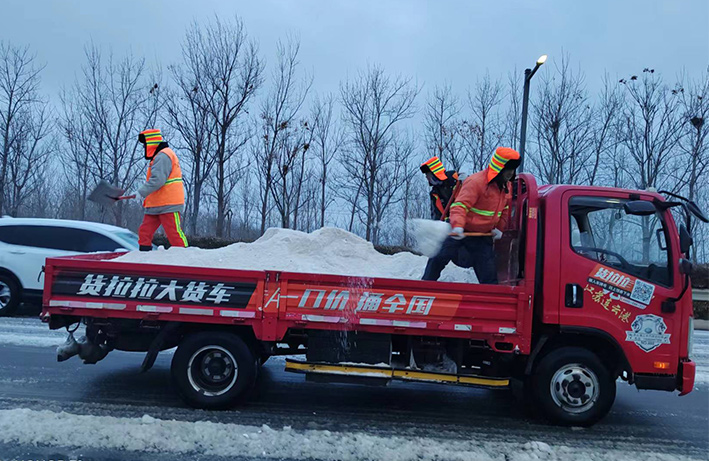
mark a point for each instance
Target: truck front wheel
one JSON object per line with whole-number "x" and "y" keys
{"x": 572, "y": 387}
{"x": 213, "y": 370}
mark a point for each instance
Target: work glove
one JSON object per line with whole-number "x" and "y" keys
{"x": 496, "y": 234}
{"x": 457, "y": 233}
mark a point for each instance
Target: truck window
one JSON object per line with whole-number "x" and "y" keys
{"x": 603, "y": 232}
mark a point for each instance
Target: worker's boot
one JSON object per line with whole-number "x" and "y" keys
{"x": 145, "y": 248}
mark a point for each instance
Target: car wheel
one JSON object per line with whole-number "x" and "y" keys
{"x": 213, "y": 370}
{"x": 572, "y": 387}
{"x": 9, "y": 295}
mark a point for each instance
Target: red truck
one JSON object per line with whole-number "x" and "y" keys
{"x": 593, "y": 286}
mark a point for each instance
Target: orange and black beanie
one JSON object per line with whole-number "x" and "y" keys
{"x": 503, "y": 157}
{"x": 434, "y": 166}
{"x": 151, "y": 139}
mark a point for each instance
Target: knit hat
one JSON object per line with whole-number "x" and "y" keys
{"x": 435, "y": 166}
{"x": 152, "y": 139}
{"x": 503, "y": 157}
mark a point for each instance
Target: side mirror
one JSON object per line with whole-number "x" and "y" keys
{"x": 696, "y": 211}
{"x": 639, "y": 208}
{"x": 685, "y": 239}
{"x": 685, "y": 267}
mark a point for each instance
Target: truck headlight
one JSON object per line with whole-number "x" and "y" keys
{"x": 690, "y": 337}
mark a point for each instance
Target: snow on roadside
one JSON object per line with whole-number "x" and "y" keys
{"x": 700, "y": 355}
{"x": 324, "y": 251}
{"x": 148, "y": 434}
{"x": 31, "y": 332}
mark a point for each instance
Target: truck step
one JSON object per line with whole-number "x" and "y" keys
{"x": 383, "y": 372}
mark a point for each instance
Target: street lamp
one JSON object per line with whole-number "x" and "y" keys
{"x": 528, "y": 74}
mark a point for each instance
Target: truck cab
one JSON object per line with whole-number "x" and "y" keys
{"x": 613, "y": 269}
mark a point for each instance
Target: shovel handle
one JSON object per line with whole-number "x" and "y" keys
{"x": 475, "y": 234}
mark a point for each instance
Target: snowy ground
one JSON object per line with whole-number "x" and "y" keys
{"x": 75, "y": 410}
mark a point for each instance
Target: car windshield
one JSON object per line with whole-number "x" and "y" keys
{"x": 128, "y": 238}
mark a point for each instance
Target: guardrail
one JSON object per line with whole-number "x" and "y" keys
{"x": 700, "y": 294}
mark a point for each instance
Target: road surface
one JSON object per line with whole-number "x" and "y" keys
{"x": 640, "y": 423}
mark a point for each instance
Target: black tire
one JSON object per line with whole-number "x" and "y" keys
{"x": 571, "y": 387}
{"x": 213, "y": 370}
{"x": 9, "y": 295}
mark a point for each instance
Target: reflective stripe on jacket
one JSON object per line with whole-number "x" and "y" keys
{"x": 171, "y": 192}
{"x": 480, "y": 206}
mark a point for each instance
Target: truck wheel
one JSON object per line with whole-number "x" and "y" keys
{"x": 9, "y": 295}
{"x": 213, "y": 370}
{"x": 572, "y": 387}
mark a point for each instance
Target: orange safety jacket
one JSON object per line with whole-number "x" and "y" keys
{"x": 172, "y": 192}
{"x": 480, "y": 206}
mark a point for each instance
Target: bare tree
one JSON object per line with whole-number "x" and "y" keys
{"x": 651, "y": 128}
{"x": 112, "y": 103}
{"x": 280, "y": 151}
{"x": 442, "y": 127}
{"x": 227, "y": 72}
{"x": 187, "y": 113}
{"x": 562, "y": 124}
{"x": 29, "y": 157}
{"x": 695, "y": 141}
{"x": 328, "y": 139}
{"x": 605, "y": 129}
{"x": 514, "y": 110}
{"x": 485, "y": 130}
{"x": 374, "y": 103}
{"x": 19, "y": 97}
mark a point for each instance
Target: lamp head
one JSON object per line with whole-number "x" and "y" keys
{"x": 542, "y": 59}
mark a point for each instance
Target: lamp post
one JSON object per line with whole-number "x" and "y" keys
{"x": 528, "y": 74}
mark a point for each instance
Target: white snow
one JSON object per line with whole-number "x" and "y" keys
{"x": 148, "y": 434}
{"x": 30, "y": 332}
{"x": 324, "y": 251}
{"x": 700, "y": 355}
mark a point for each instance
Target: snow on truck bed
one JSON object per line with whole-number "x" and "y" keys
{"x": 324, "y": 251}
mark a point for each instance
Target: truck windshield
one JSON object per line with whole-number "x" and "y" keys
{"x": 636, "y": 245}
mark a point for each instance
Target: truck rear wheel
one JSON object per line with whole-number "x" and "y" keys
{"x": 572, "y": 387}
{"x": 213, "y": 370}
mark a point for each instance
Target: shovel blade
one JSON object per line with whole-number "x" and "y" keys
{"x": 105, "y": 194}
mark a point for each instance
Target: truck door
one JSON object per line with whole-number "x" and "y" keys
{"x": 617, "y": 268}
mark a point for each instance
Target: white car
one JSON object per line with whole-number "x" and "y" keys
{"x": 25, "y": 243}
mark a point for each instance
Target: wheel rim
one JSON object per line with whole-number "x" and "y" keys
{"x": 574, "y": 388}
{"x": 212, "y": 371}
{"x": 5, "y": 294}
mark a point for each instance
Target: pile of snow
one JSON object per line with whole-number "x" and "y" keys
{"x": 324, "y": 251}
{"x": 148, "y": 434}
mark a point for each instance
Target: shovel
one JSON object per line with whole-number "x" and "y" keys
{"x": 107, "y": 194}
{"x": 430, "y": 235}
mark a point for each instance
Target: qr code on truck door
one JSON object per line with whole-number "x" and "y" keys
{"x": 642, "y": 292}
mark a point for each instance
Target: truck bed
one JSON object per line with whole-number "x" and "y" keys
{"x": 272, "y": 303}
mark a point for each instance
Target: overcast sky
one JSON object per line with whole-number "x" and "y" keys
{"x": 433, "y": 41}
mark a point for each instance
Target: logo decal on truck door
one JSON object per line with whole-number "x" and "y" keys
{"x": 648, "y": 332}
{"x": 625, "y": 288}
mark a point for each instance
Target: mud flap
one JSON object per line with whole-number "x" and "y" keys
{"x": 156, "y": 345}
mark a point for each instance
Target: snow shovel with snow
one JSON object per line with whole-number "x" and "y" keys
{"x": 429, "y": 235}
{"x": 107, "y": 194}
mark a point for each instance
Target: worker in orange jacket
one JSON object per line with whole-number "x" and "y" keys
{"x": 482, "y": 206}
{"x": 442, "y": 183}
{"x": 162, "y": 195}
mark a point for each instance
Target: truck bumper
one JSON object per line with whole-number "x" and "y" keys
{"x": 685, "y": 382}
